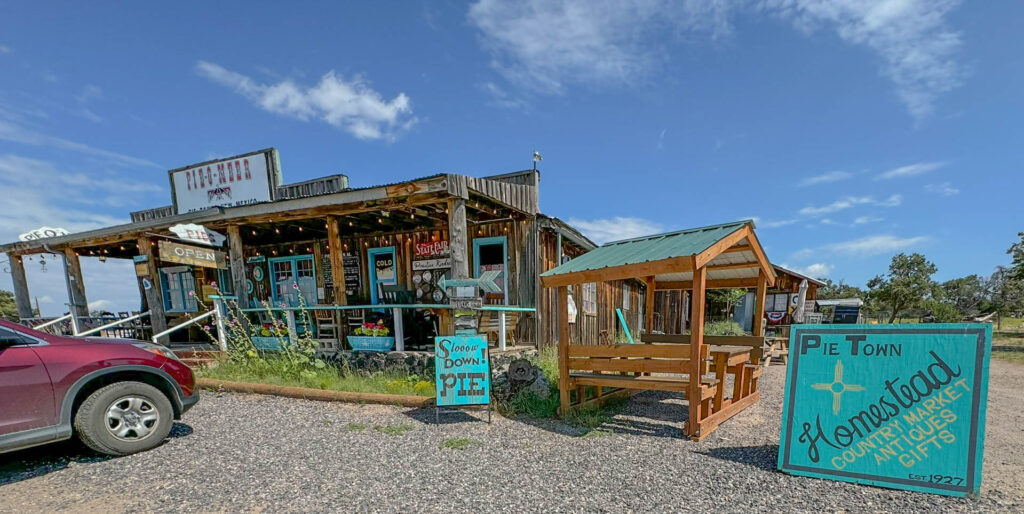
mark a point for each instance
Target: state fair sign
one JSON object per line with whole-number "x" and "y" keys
{"x": 899, "y": 406}
{"x": 241, "y": 180}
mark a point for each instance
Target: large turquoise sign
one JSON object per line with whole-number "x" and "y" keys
{"x": 463, "y": 370}
{"x": 900, "y": 406}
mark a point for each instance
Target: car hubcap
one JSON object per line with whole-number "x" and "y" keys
{"x": 132, "y": 418}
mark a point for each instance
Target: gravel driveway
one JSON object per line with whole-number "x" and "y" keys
{"x": 250, "y": 453}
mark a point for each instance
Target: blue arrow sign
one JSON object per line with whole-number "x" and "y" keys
{"x": 485, "y": 282}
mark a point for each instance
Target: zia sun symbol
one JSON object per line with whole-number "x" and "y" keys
{"x": 837, "y": 387}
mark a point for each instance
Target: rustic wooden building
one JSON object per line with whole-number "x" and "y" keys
{"x": 321, "y": 242}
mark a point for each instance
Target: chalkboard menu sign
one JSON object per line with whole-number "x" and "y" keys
{"x": 352, "y": 273}
{"x": 899, "y": 406}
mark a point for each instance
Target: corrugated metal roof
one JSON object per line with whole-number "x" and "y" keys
{"x": 649, "y": 248}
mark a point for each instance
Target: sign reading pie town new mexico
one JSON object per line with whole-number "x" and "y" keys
{"x": 899, "y": 406}
{"x": 463, "y": 371}
{"x": 240, "y": 180}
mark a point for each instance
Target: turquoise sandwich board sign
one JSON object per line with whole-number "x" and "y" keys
{"x": 462, "y": 370}
{"x": 898, "y": 406}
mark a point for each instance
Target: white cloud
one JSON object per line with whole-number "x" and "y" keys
{"x": 874, "y": 245}
{"x": 613, "y": 229}
{"x": 546, "y": 45}
{"x": 910, "y": 170}
{"x": 100, "y": 305}
{"x": 14, "y": 132}
{"x": 816, "y": 270}
{"x": 824, "y": 178}
{"x": 849, "y": 202}
{"x": 501, "y": 98}
{"x": 944, "y": 189}
{"x": 351, "y": 105}
{"x": 863, "y": 220}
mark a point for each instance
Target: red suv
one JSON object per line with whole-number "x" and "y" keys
{"x": 118, "y": 396}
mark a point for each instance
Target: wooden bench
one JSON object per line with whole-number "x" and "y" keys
{"x": 633, "y": 367}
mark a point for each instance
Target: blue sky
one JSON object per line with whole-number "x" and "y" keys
{"x": 851, "y": 130}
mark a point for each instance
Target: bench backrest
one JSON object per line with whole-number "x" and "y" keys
{"x": 756, "y": 343}
{"x": 636, "y": 358}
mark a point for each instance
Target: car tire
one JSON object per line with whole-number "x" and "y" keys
{"x": 124, "y": 418}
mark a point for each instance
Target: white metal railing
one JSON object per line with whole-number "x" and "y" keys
{"x": 190, "y": 322}
{"x": 114, "y": 324}
{"x": 53, "y": 321}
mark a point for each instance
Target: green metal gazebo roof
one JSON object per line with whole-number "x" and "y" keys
{"x": 680, "y": 243}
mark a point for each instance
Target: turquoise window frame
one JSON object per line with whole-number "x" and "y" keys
{"x": 485, "y": 241}
{"x": 293, "y": 259}
{"x": 190, "y": 302}
{"x": 370, "y": 254}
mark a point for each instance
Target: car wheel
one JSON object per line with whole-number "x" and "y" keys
{"x": 123, "y": 418}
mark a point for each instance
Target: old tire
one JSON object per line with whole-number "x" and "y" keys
{"x": 123, "y": 418}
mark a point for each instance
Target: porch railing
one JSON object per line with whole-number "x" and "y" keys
{"x": 396, "y": 310}
{"x": 119, "y": 321}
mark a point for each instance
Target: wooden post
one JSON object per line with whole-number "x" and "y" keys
{"x": 696, "y": 341}
{"x": 154, "y": 295}
{"x": 762, "y": 291}
{"x": 649, "y": 305}
{"x": 458, "y": 238}
{"x": 21, "y": 298}
{"x": 74, "y": 271}
{"x": 237, "y": 266}
{"x": 563, "y": 349}
{"x": 337, "y": 260}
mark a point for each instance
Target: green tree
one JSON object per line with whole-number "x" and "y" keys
{"x": 1016, "y": 252}
{"x": 832, "y": 290}
{"x": 907, "y": 285}
{"x": 8, "y": 309}
{"x": 1005, "y": 292}
{"x": 966, "y": 294}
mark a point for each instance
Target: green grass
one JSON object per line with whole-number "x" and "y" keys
{"x": 355, "y": 427}
{"x": 394, "y": 430}
{"x": 1008, "y": 345}
{"x": 267, "y": 371}
{"x": 458, "y": 443}
{"x": 597, "y": 434}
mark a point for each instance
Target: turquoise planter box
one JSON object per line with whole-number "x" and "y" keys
{"x": 371, "y": 343}
{"x": 269, "y": 342}
{"x": 898, "y": 406}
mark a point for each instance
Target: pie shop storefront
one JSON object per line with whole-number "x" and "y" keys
{"x": 320, "y": 243}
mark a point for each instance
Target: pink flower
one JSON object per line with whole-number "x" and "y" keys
{"x": 213, "y": 283}
{"x": 191, "y": 293}
{"x": 295, "y": 286}
{"x": 206, "y": 327}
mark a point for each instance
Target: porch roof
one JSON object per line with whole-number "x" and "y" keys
{"x": 730, "y": 252}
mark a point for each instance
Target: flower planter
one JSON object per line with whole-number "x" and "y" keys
{"x": 371, "y": 343}
{"x": 269, "y": 342}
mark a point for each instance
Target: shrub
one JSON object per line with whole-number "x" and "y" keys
{"x": 723, "y": 328}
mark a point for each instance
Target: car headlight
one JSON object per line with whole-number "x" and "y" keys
{"x": 157, "y": 349}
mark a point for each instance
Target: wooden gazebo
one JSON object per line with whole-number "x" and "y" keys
{"x": 715, "y": 257}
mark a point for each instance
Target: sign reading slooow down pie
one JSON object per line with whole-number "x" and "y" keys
{"x": 898, "y": 406}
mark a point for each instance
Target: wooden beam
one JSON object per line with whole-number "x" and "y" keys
{"x": 623, "y": 272}
{"x": 696, "y": 340}
{"x": 154, "y": 295}
{"x": 649, "y": 305}
{"x": 237, "y": 260}
{"x": 458, "y": 238}
{"x": 726, "y": 283}
{"x": 701, "y": 259}
{"x": 759, "y": 299}
{"x": 21, "y": 297}
{"x": 563, "y": 348}
{"x": 738, "y": 248}
{"x": 762, "y": 259}
{"x": 738, "y": 265}
{"x": 74, "y": 271}
{"x": 337, "y": 260}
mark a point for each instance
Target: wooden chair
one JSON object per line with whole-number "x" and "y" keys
{"x": 490, "y": 324}
{"x": 328, "y": 334}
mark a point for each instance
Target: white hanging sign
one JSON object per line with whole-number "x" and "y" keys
{"x": 198, "y": 234}
{"x": 43, "y": 233}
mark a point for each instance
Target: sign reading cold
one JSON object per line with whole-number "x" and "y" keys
{"x": 232, "y": 182}
{"x": 899, "y": 406}
{"x": 463, "y": 370}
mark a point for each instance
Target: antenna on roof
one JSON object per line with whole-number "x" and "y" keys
{"x": 536, "y": 158}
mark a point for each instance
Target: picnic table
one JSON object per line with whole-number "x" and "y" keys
{"x": 733, "y": 360}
